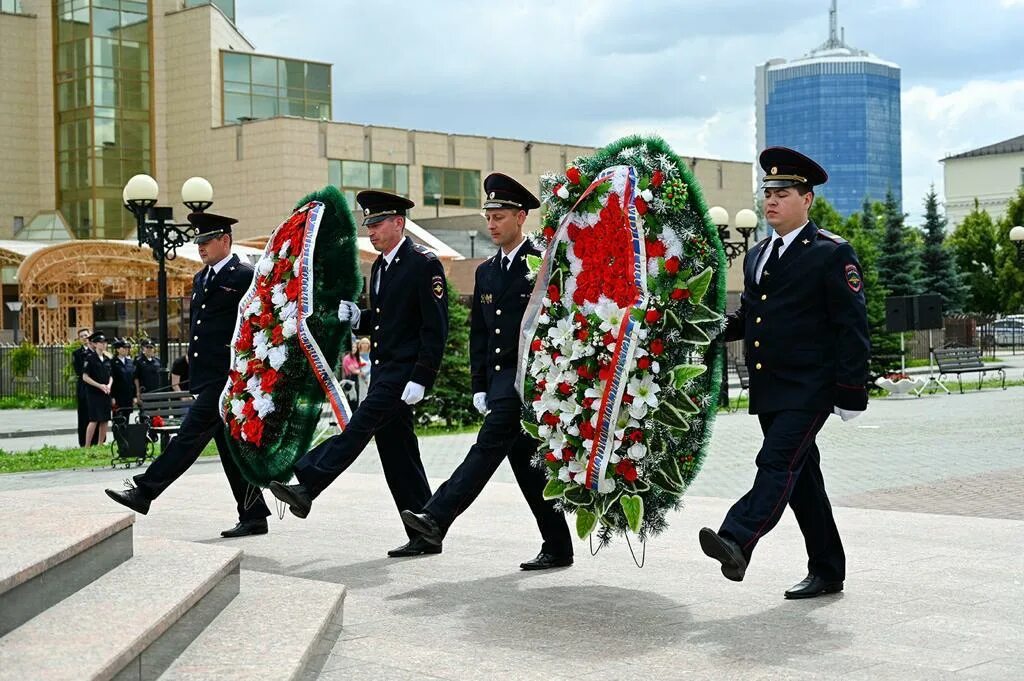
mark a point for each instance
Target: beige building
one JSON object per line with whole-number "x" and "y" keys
{"x": 96, "y": 91}
{"x": 991, "y": 175}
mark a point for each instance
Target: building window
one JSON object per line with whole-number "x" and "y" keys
{"x": 10, "y": 6}
{"x": 454, "y": 187}
{"x": 255, "y": 86}
{"x": 225, "y": 6}
{"x": 19, "y": 224}
{"x": 353, "y": 177}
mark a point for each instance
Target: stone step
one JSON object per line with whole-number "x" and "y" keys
{"x": 132, "y": 622}
{"x": 50, "y": 553}
{"x": 277, "y": 628}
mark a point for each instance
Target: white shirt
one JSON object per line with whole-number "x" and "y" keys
{"x": 511, "y": 255}
{"x": 388, "y": 259}
{"x": 766, "y": 253}
{"x": 212, "y": 270}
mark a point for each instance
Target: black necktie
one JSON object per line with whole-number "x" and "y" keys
{"x": 773, "y": 258}
{"x": 505, "y": 263}
{"x": 207, "y": 278}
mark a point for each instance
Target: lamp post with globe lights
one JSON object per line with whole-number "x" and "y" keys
{"x": 1017, "y": 237}
{"x": 156, "y": 228}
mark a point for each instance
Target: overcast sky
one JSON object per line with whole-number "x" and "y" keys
{"x": 589, "y": 71}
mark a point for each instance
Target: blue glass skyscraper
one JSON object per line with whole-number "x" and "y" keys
{"x": 841, "y": 107}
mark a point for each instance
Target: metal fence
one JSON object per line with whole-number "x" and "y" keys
{"x": 50, "y": 374}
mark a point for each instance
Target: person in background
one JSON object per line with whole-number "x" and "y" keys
{"x": 98, "y": 383}
{"x": 78, "y": 358}
{"x": 350, "y": 369}
{"x": 179, "y": 374}
{"x": 147, "y": 370}
{"x": 363, "y": 350}
{"x": 122, "y": 370}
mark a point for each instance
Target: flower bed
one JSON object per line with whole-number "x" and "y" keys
{"x": 629, "y": 295}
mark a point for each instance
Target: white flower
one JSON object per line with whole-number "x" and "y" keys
{"x": 236, "y": 407}
{"x": 637, "y": 451}
{"x": 644, "y": 391}
{"x": 562, "y": 192}
{"x": 576, "y": 467}
{"x": 563, "y": 474}
{"x": 289, "y": 311}
{"x": 289, "y": 328}
{"x": 647, "y": 195}
{"x": 241, "y": 365}
{"x": 277, "y": 296}
{"x": 261, "y": 351}
{"x": 296, "y": 267}
{"x": 543, "y": 319}
{"x": 283, "y": 253}
{"x": 544, "y": 431}
{"x": 265, "y": 266}
{"x": 263, "y": 404}
{"x": 573, "y": 430}
{"x": 637, "y": 410}
{"x": 277, "y": 356}
{"x": 253, "y": 308}
{"x": 609, "y": 313}
{"x": 261, "y": 337}
{"x": 561, "y": 332}
{"x": 606, "y": 486}
{"x": 655, "y": 368}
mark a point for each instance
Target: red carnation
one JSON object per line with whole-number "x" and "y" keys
{"x": 268, "y": 380}
{"x": 277, "y": 335}
{"x": 657, "y": 346}
{"x": 627, "y": 399}
{"x": 550, "y": 456}
{"x": 236, "y": 429}
{"x": 549, "y": 233}
{"x": 608, "y": 338}
{"x": 564, "y": 388}
{"x": 627, "y": 469}
{"x": 672, "y": 265}
{"x": 238, "y": 386}
{"x": 636, "y": 436}
{"x": 657, "y": 178}
{"x": 641, "y": 205}
{"x": 584, "y": 371}
{"x": 554, "y": 295}
{"x": 293, "y": 288}
{"x": 280, "y": 267}
{"x": 254, "y": 366}
{"x": 573, "y": 175}
{"x": 588, "y": 402}
{"x": 644, "y": 362}
{"x": 536, "y": 398}
{"x": 249, "y": 409}
{"x": 567, "y": 454}
{"x": 573, "y": 231}
{"x": 550, "y": 419}
{"x": 266, "y": 320}
{"x": 541, "y": 384}
{"x": 580, "y": 319}
{"x": 652, "y": 316}
{"x": 535, "y": 345}
{"x": 680, "y": 294}
{"x": 582, "y": 335}
{"x": 587, "y": 430}
{"x": 655, "y": 249}
{"x": 253, "y": 430}
{"x": 605, "y": 372}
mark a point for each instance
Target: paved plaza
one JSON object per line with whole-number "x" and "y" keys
{"x": 930, "y": 503}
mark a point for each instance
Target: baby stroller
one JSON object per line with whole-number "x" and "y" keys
{"x": 131, "y": 443}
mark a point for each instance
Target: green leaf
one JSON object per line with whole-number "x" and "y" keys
{"x": 633, "y": 507}
{"x": 533, "y": 263}
{"x": 532, "y": 429}
{"x": 671, "y": 416}
{"x": 693, "y": 334}
{"x": 585, "y": 522}
{"x": 668, "y": 477}
{"x": 702, "y": 313}
{"x": 699, "y": 284}
{"x": 683, "y": 402}
{"x": 672, "y": 320}
{"x": 684, "y": 373}
{"x": 554, "y": 489}
{"x": 577, "y": 495}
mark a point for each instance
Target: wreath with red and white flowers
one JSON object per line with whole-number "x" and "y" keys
{"x": 616, "y": 378}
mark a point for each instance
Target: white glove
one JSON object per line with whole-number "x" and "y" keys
{"x": 413, "y": 393}
{"x": 480, "y": 402}
{"x": 348, "y": 312}
{"x": 846, "y": 414}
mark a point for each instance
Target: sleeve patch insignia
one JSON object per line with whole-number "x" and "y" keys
{"x": 853, "y": 279}
{"x": 437, "y": 286}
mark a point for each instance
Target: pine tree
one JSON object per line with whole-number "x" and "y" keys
{"x": 939, "y": 273}
{"x": 974, "y": 245}
{"x": 898, "y": 263}
{"x": 450, "y": 400}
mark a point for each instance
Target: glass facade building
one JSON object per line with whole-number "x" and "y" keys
{"x": 102, "y": 81}
{"x": 353, "y": 177}
{"x": 840, "y": 106}
{"x": 258, "y": 86}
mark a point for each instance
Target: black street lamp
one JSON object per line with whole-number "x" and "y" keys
{"x": 746, "y": 224}
{"x": 156, "y": 228}
{"x": 1017, "y": 237}
{"x": 472, "y": 243}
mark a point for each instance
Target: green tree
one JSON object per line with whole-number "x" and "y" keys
{"x": 825, "y": 216}
{"x": 1008, "y": 266}
{"x": 898, "y": 262}
{"x": 939, "y": 273}
{"x": 974, "y": 245}
{"x": 450, "y": 400}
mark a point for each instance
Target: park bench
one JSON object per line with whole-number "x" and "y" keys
{"x": 743, "y": 373}
{"x": 170, "y": 407}
{"x": 959, "y": 361}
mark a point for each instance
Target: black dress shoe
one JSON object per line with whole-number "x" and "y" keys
{"x": 725, "y": 551}
{"x": 246, "y": 527}
{"x": 132, "y": 497}
{"x": 546, "y": 561}
{"x": 425, "y": 524}
{"x": 414, "y": 547}
{"x": 814, "y": 586}
{"x": 298, "y": 499}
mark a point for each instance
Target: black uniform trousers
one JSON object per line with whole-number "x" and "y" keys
{"x": 502, "y": 437}
{"x": 789, "y": 471}
{"x": 383, "y": 416}
{"x": 82, "y": 406}
{"x": 200, "y": 425}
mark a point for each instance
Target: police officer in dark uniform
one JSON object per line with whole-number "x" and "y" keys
{"x": 97, "y": 389}
{"x": 216, "y": 292}
{"x": 148, "y": 370}
{"x": 78, "y": 359}
{"x": 123, "y": 371}
{"x": 804, "y": 325}
{"x": 500, "y": 296}
{"x": 407, "y": 322}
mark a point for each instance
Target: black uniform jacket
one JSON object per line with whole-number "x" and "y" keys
{"x": 78, "y": 359}
{"x": 407, "y": 320}
{"x": 147, "y": 371}
{"x": 804, "y": 326}
{"x": 499, "y": 301}
{"x": 123, "y": 390}
{"x": 214, "y": 312}
{"x": 97, "y": 367}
